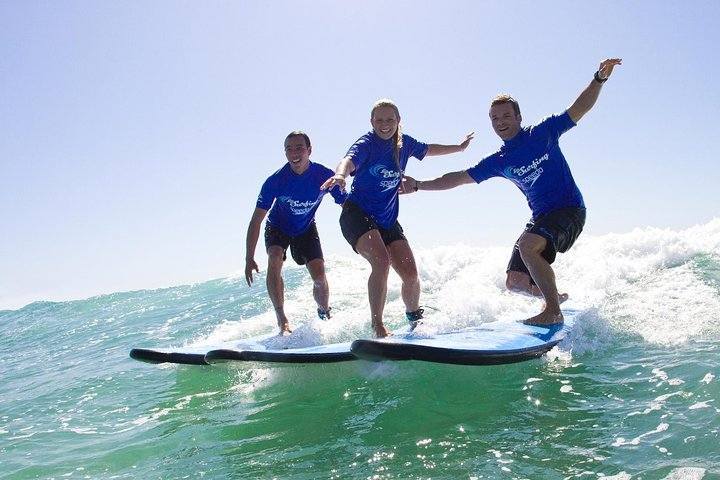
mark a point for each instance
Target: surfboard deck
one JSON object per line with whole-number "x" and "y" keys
{"x": 489, "y": 344}
{"x": 271, "y": 348}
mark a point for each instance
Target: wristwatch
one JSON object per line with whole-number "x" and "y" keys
{"x": 598, "y": 79}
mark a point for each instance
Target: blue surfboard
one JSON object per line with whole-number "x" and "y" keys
{"x": 489, "y": 344}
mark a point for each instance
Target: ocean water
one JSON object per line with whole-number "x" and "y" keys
{"x": 633, "y": 393}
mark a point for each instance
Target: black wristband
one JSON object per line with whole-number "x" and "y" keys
{"x": 598, "y": 79}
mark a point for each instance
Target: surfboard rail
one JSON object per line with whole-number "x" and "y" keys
{"x": 154, "y": 355}
{"x": 494, "y": 343}
{"x": 369, "y": 349}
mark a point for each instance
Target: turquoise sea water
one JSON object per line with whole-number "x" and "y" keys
{"x": 633, "y": 393}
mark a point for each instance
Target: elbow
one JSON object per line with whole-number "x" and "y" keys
{"x": 578, "y": 116}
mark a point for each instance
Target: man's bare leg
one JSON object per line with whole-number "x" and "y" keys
{"x": 276, "y": 288}
{"x": 321, "y": 290}
{"x": 519, "y": 282}
{"x": 531, "y": 247}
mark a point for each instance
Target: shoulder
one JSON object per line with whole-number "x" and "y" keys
{"x": 491, "y": 159}
{"x": 278, "y": 174}
{"x": 320, "y": 169}
{"x": 555, "y": 121}
{"x": 282, "y": 170}
{"x": 363, "y": 144}
{"x": 415, "y": 147}
{"x": 368, "y": 138}
{"x": 410, "y": 140}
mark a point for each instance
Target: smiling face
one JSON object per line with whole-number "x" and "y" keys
{"x": 385, "y": 120}
{"x": 505, "y": 120}
{"x": 297, "y": 152}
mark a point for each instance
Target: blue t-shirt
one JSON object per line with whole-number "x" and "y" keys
{"x": 295, "y": 198}
{"x": 375, "y": 186}
{"x": 532, "y": 160}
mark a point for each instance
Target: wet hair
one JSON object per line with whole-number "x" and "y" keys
{"x": 397, "y": 137}
{"x": 298, "y": 133}
{"x": 503, "y": 98}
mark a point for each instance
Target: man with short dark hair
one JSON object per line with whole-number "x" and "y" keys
{"x": 531, "y": 158}
{"x": 292, "y": 195}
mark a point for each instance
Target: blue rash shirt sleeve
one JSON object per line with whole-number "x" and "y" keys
{"x": 268, "y": 192}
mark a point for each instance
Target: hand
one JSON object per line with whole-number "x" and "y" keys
{"x": 466, "y": 142}
{"x": 408, "y": 185}
{"x": 250, "y": 265}
{"x": 606, "y": 67}
{"x": 336, "y": 179}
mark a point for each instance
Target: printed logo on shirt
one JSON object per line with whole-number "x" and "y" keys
{"x": 297, "y": 207}
{"x": 389, "y": 179}
{"x": 533, "y": 171}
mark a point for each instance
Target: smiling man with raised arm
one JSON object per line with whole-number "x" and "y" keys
{"x": 531, "y": 158}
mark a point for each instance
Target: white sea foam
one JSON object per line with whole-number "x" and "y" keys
{"x": 646, "y": 282}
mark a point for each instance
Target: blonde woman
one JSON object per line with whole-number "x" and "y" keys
{"x": 369, "y": 220}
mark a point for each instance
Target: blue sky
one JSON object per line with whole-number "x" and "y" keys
{"x": 136, "y": 135}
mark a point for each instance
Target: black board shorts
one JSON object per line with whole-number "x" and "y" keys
{"x": 354, "y": 223}
{"x": 303, "y": 248}
{"x": 560, "y": 228}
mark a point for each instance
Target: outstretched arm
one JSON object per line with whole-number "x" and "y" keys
{"x": 343, "y": 169}
{"x": 589, "y": 96}
{"x": 253, "y": 234}
{"x": 444, "y": 182}
{"x": 435, "y": 149}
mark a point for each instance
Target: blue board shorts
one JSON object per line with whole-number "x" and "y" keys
{"x": 303, "y": 248}
{"x": 560, "y": 228}
{"x": 354, "y": 223}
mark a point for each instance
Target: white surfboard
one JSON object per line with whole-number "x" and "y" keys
{"x": 263, "y": 348}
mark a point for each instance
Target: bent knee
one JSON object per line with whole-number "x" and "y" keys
{"x": 411, "y": 279}
{"x": 379, "y": 264}
{"x": 531, "y": 243}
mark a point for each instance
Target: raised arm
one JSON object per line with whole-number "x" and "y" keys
{"x": 253, "y": 234}
{"x": 589, "y": 96}
{"x": 343, "y": 169}
{"x": 444, "y": 182}
{"x": 435, "y": 149}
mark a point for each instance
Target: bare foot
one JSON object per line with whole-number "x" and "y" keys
{"x": 379, "y": 331}
{"x": 285, "y": 330}
{"x": 545, "y": 319}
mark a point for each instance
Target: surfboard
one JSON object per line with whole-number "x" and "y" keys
{"x": 335, "y": 352}
{"x": 489, "y": 344}
{"x": 263, "y": 348}
{"x": 183, "y": 355}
